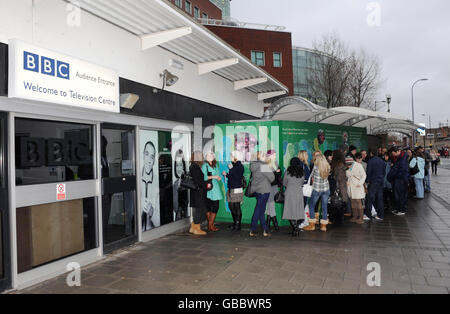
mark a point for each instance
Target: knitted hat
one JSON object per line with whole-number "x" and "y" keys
{"x": 349, "y": 160}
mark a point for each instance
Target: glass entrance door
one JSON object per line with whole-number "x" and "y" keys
{"x": 118, "y": 186}
{"x": 4, "y": 234}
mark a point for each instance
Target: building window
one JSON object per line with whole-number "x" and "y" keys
{"x": 277, "y": 60}
{"x": 204, "y": 16}
{"x": 188, "y": 7}
{"x": 50, "y": 152}
{"x": 258, "y": 58}
{"x": 197, "y": 12}
{"x": 178, "y": 3}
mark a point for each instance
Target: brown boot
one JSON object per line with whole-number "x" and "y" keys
{"x": 213, "y": 218}
{"x": 317, "y": 218}
{"x": 323, "y": 225}
{"x": 208, "y": 217}
{"x": 198, "y": 231}
{"x": 191, "y": 230}
{"x": 360, "y": 220}
{"x": 312, "y": 225}
{"x": 354, "y": 214}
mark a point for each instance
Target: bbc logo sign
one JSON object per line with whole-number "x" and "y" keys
{"x": 40, "y": 64}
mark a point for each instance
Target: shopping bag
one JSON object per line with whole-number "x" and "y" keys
{"x": 306, "y": 222}
{"x": 307, "y": 188}
{"x": 374, "y": 211}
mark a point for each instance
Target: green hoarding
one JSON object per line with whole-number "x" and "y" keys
{"x": 287, "y": 138}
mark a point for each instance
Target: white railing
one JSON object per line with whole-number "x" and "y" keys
{"x": 238, "y": 24}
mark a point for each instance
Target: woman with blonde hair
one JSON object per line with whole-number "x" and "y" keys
{"x": 235, "y": 194}
{"x": 316, "y": 154}
{"x": 321, "y": 190}
{"x": 304, "y": 158}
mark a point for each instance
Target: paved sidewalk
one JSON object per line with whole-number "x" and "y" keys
{"x": 440, "y": 183}
{"x": 413, "y": 251}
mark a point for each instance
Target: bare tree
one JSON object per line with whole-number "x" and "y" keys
{"x": 328, "y": 80}
{"x": 364, "y": 79}
{"x": 340, "y": 77}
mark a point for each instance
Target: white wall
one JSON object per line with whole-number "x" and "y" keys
{"x": 44, "y": 23}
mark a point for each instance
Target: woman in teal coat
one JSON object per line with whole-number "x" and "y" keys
{"x": 211, "y": 173}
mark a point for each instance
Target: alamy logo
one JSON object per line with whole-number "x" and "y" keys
{"x": 40, "y": 64}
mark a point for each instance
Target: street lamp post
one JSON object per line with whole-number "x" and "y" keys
{"x": 388, "y": 100}
{"x": 429, "y": 122}
{"x": 412, "y": 105}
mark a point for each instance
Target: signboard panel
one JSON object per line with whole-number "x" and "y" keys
{"x": 287, "y": 139}
{"x": 43, "y": 75}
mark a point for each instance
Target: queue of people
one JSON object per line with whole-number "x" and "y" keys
{"x": 336, "y": 184}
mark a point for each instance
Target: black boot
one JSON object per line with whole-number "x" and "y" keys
{"x": 233, "y": 214}
{"x": 299, "y": 222}
{"x": 293, "y": 226}
{"x": 238, "y": 217}
{"x": 275, "y": 223}
{"x": 268, "y": 219}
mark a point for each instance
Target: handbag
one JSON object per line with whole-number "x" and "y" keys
{"x": 248, "y": 191}
{"x": 336, "y": 199}
{"x": 415, "y": 170}
{"x": 307, "y": 188}
{"x": 188, "y": 182}
{"x": 279, "y": 197}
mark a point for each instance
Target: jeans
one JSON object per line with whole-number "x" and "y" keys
{"x": 261, "y": 201}
{"x": 324, "y": 196}
{"x": 400, "y": 189}
{"x": 375, "y": 198}
{"x": 434, "y": 165}
{"x": 427, "y": 183}
{"x": 199, "y": 214}
{"x": 419, "y": 188}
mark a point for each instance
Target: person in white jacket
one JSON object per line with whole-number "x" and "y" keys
{"x": 356, "y": 176}
{"x": 418, "y": 160}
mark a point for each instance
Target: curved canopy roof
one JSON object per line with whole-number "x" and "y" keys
{"x": 300, "y": 109}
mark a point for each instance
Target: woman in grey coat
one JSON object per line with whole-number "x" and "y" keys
{"x": 294, "y": 209}
{"x": 262, "y": 177}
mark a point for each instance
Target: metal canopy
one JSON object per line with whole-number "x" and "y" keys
{"x": 300, "y": 109}
{"x": 145, "y": 17}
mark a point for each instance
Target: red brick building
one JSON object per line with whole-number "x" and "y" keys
{"x": 199, "y": 8}
{"x": 271, "y": 50}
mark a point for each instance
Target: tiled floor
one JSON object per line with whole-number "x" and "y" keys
{"x": 413, "y": 252}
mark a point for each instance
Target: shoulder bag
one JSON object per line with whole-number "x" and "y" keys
{"x": 415, "y": 170}
{"x": 248, "y": 191}
{"x": 279, "y": 197}
{"x": 307, "y": 188}
{"x": 188, "y": 182}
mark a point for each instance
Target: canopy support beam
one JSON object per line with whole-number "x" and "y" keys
{"x": 207, "y": 67}
{"x": 154, "y": 39}
{"x": 247, "y": 83}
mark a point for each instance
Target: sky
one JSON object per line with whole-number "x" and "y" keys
{"x": 410, "y": 37}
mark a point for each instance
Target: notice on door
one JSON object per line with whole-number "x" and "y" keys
{"x": 60, "y": 192}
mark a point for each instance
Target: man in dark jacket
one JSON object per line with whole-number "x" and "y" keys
{"x": 376, "y": 170}
{"x": 398, "y": 176}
